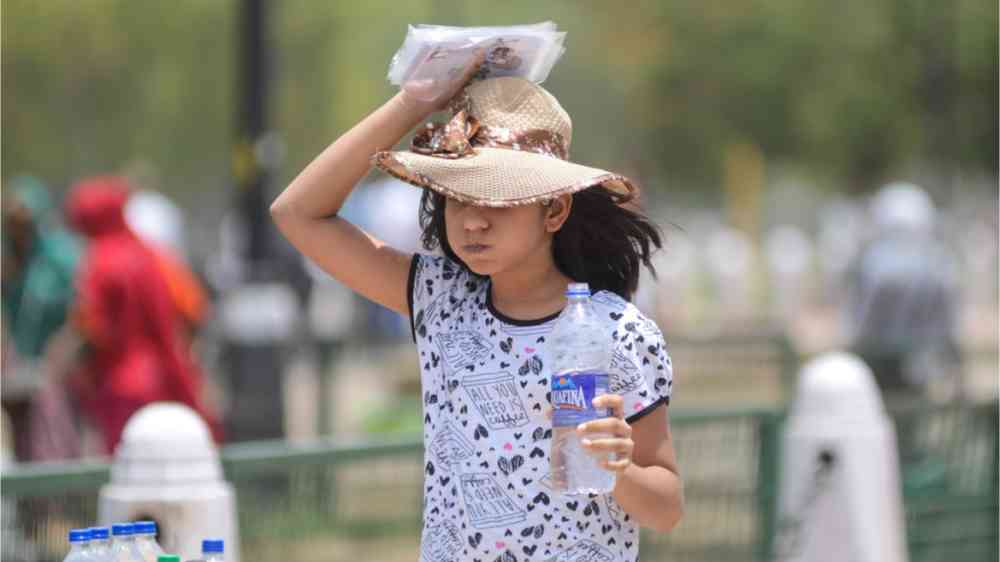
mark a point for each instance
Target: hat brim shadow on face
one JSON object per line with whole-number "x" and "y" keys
{"x": 499, "y": 177}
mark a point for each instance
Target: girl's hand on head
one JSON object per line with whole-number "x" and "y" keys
{"x": 426, "y": 96}
{"x": 620, "y": 443}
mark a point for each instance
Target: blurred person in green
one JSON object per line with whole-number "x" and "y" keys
{"x": 39, "y": 264}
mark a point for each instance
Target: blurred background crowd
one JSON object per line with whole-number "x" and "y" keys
{"x": 761, "y": 133}
{"x": 824, "y": 172}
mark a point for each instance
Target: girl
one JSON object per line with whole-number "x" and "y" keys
{"x": 516, "y": 222}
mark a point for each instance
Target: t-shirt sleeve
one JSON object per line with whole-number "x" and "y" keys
{"x": 411, "y": 280}
{"x": 641, "y": 369}
{"x": 431, "y": 277}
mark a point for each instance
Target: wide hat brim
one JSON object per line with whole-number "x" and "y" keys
{"x": 499, "y": 177}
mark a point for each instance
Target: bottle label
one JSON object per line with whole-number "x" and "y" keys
{"x": 573, "y": 395}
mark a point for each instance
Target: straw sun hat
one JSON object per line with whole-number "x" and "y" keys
{"x": 506, "y": 144}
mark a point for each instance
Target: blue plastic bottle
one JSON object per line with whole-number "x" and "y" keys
{"x": 213, "y": 550}
{"x": 100, "y": 544}
{"x": 579, "y": 351}
{"x": 79, "y": 550}
{"x": 145, "y": 541}
{"x": 123, "y": 548}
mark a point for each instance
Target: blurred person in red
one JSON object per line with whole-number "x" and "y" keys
{"x": 136, "y": 349}
{"x": 160, "y": 224}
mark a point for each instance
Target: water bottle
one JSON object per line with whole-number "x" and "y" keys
{"x": 579, "y": 351}
{"x": 100, "y": 544}
{"x": 145, "y": 541}
{"x": 212, "y": 550}
{"x": 123, "y": 548}
{"x": 78, "y": 547}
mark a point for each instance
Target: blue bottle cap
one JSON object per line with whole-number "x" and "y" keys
{"x": 99, "y": 532}
{"x": 145, "y": 527}
{"x": 578, "y": 290}
{"x": 122, "y": 529}
{"x": 79, "y": 535}
{"x": 212, "y": 545}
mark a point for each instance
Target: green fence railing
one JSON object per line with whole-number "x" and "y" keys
{"x": 950, "y": 483}
{"x": 347, "y": 501}
{"x": 335, "y": 501}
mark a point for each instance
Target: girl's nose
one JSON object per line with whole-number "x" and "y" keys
{"x": 473, "y": 220}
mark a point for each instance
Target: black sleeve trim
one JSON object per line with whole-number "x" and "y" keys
{"x": 636, "y": 416}
{"x": 411, "y": 279}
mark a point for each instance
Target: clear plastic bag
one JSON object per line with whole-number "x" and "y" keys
{"x": 441, "y": 53}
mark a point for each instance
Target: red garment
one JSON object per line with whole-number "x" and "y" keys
{"x": 138, "y": 355}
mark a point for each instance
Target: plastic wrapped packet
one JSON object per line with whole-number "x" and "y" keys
{"x": 435, "y": 52}
{"x": 423, "y": 38}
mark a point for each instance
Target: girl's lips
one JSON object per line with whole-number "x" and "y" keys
{"x": 475, "y": 248}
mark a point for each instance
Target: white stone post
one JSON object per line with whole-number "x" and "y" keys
{"x": 840, "y": 496}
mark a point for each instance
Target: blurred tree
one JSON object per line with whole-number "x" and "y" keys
{"x": 91, "y": 85}
{"x": 849, "y": 92}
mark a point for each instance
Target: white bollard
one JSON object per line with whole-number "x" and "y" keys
{"x": 167, "y": 469}
{"x": 840, "y": 497}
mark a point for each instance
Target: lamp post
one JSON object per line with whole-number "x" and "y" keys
{"x": 260, "y": 311}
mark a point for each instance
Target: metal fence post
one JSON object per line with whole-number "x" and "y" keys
{"x": 768, "y": 466}
{"x": 992, "y": 412}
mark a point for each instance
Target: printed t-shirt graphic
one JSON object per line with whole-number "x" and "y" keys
{"x": 487, "y": 493}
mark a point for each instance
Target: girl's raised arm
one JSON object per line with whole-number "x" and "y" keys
{"x": 306, "y": 210}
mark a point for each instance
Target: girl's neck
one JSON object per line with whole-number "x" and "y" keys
{"x": 530, "y": 291}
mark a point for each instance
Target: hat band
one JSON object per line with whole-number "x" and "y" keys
{"x": 462, "y": 133}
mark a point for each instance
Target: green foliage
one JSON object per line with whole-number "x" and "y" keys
{"x": 90, "y": 86}
{"x": 854, "y": 91}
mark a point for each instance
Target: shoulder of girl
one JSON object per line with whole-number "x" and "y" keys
{"x": 606, "y": 300}
{"x": 429, "y": 260}
{"x": 429, "y": 264}
{"x": 440, "y": 270}
{"x": 624, "y": 315}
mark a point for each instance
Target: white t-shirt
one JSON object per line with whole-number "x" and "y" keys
{"x": 487, "y": 493}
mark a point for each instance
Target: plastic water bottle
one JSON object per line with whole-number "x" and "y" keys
{"x": 123, "y": 548}
{"x": 213, "y": 550}
{"x": 79, "y": 550}
{"x": 145, "y": 541}
{"x": 579, "y": 352}
{"x": 100, "y": 544}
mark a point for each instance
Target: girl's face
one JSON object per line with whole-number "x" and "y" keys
{"x": 492, "y": 240}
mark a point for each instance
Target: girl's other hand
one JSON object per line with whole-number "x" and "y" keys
{"x": 425, "y": 96}
{"x": 620, "y": 441}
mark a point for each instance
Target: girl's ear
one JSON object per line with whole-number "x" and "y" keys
{"x": 557, "y": 211}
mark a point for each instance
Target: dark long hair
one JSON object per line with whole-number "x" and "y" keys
{"x": 602, "y": 243}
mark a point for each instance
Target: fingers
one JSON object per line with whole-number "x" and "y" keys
{"x": 608, "y": 426}
{"x": 617, "y": 449}
{"x": 612, "y": 401}
{"x": 623, "y": 447}
{"x": 452, "y": 88}
{"x": 436, "y": 93}
{"x": 474, "y": 65}
{"x": 617, "y": 453}
{"x": 615, "y": 466}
